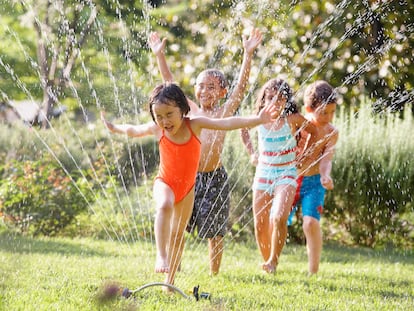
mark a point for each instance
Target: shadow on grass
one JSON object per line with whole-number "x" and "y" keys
{"x": 14, "y": 243}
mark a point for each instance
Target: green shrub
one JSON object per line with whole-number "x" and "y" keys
{"x": 39, "y": 198}
{"x": 374, "y": 176}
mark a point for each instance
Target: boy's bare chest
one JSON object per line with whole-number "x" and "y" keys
{"x": 212, "y": 137}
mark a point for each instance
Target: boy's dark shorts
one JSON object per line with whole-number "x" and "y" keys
{"x": 211, "y": 204}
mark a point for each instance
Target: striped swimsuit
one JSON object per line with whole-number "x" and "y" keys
{"x": 277, "y": 153}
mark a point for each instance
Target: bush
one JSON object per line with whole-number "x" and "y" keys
{"x": 39, "y": 198}
{"x": 374, "y": 176}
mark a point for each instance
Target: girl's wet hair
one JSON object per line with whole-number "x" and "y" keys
{"x": 319, "y": 93}
{"x": 169, "y": 94}
{"x": 281, "y": 87}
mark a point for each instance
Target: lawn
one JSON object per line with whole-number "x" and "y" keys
{"x": 66, "y": 274}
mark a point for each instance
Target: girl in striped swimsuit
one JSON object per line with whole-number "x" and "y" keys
{"x": 274, "y": 183}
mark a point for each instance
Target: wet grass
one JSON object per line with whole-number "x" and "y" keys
{"x": 66, "y": 274}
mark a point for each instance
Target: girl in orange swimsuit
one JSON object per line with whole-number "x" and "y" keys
{"x": 179, "y": 148}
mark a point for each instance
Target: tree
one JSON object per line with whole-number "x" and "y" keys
{"x": 361, "y": 47}
{"x": 61, "y": 29}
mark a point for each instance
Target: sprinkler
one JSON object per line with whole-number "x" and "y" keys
{"x": 127, "y": 293}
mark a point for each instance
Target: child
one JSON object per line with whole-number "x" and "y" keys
{"x": 212, "y": 193}
{"x": 315, "y": 167}
{"x": 179, "y": 146}
{"x": 275, "y": 178}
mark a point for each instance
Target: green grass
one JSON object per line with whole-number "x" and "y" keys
{"x": 65, "y": 274}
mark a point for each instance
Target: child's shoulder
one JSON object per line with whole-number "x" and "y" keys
{"x": 330, "y": 128}
{"x": 331, "y": 133}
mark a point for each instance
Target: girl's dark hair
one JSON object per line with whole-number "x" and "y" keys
{"x": 168, "y": 94}
{"x": 280, "y": 86}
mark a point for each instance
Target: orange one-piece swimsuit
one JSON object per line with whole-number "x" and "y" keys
{"x": 179, "y": 163}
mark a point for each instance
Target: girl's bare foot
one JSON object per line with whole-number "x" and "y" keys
{"x": 161, "y": 265}
{"x": 167, "y": 290}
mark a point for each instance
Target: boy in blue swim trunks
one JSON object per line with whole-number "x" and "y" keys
{"x": 314, "y": 168}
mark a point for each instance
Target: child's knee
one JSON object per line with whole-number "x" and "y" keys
{"x": 310, "y": 224}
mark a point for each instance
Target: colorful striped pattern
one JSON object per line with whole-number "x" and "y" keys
{"x": 276, "y": 147}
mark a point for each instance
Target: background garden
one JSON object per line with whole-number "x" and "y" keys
{"x": 66, "y": 177}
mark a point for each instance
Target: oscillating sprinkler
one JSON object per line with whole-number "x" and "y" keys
{"x": 113, "y": 290}
{"x": 127, "y": 293}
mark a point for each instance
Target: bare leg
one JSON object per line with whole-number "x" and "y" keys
{"x": 215, "y": 250}
{"x": 313, "y": 234}
{"x": 164, "y": 201}
{"x": 261, "y": 211}
{"x": 180, "y": 217}
{"x": 282, "y": 202}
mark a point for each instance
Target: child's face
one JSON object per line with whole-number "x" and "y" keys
{"x": 168, "y": 116}
{"x": 208, "y": 90}
{"x": 324, "y": 114}
{"x": 276, "y": 98}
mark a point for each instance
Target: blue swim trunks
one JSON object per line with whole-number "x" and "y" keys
{"x": 311, "y": 196}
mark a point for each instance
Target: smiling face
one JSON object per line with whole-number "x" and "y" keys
{"x": 276, "y": 92}
{"x": 209, "y": 90}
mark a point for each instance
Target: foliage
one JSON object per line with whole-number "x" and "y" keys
{"x": 38, "y": 198}
{"x": 69, "y": 274}
{"x": 126, "y": 215}
{"x": 374, "y": 172}
{"x": 361, "y": 48}
{"x": 240, "y": 172}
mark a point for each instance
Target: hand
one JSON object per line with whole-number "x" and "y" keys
{"x": 157, "y": 46}
{"x": 107, "y": 124}
{"x": 327, "y": 182}
{"x": 254, "y": 159}
{"x": 253, "y": 41}
{"x": 269, "y": 113}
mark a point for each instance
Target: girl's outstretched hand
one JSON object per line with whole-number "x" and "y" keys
{"x": 157, "y": 46}
{"x": 269, "y": 113}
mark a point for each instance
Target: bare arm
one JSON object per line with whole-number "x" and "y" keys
{"x": 247, "y": 142}
{"x": 325, "y": 164}
{"x": 267, "y": 114}
{"x": 236, "y": 96}
{"x": 146, "y": 129}
{"x": 157, "y": 46}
